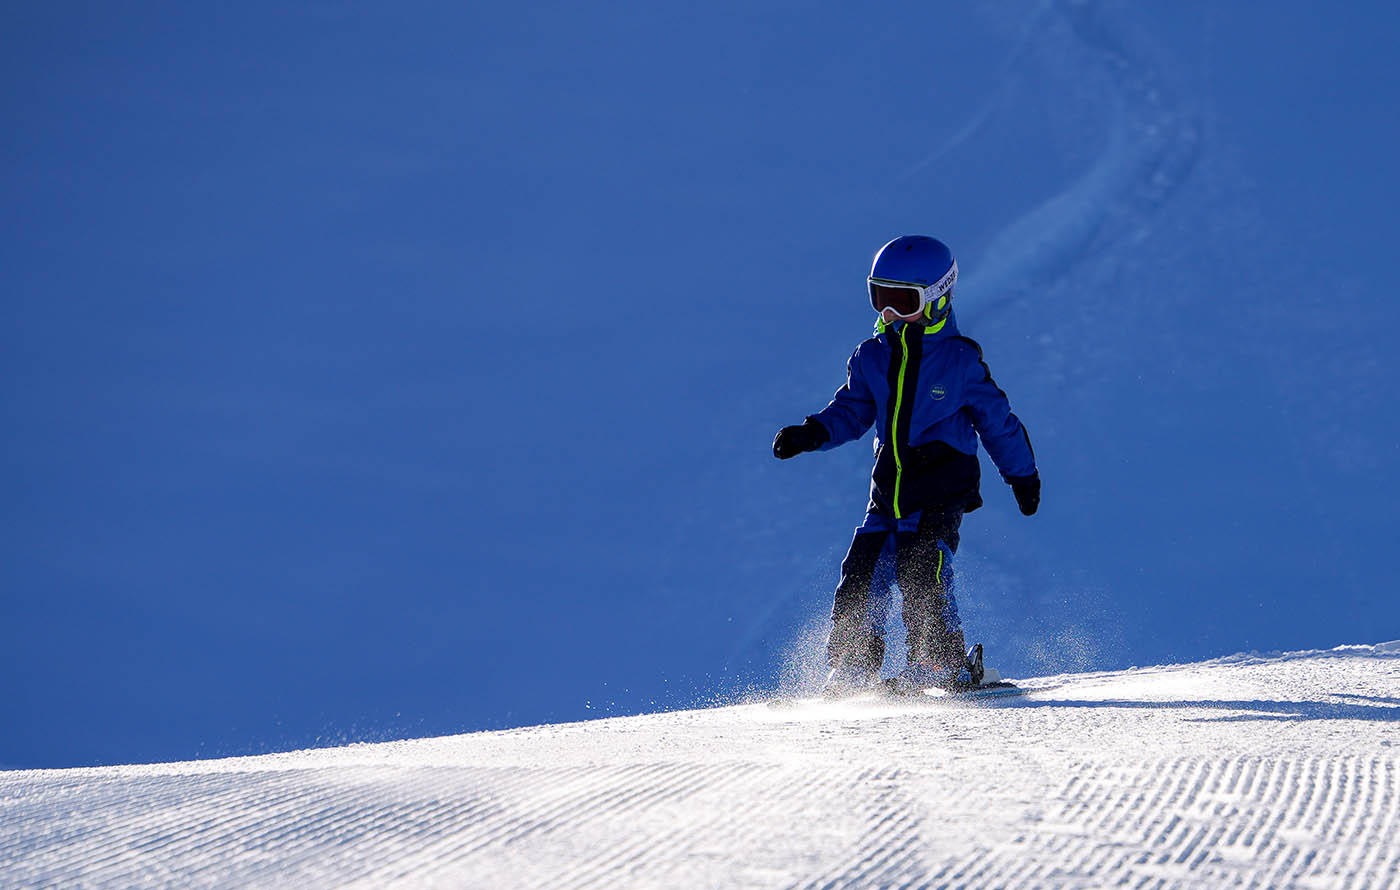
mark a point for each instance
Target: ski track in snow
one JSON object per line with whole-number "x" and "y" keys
{"x": 1152, "y": 144}
{"x": 1244, "y": 772}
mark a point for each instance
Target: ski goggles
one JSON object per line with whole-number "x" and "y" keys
{"x": 906, "y": 298}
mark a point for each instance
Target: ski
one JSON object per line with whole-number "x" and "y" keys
{"x": 996, "y": 689}
{"x": 883, "y": 692}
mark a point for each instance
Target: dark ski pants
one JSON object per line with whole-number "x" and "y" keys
{"x": 923, "y": 550}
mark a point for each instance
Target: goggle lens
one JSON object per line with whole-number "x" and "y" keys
{"x": 903, "y": 300}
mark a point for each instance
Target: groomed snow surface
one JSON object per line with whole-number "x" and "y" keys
{"x": 1249, "y": 771}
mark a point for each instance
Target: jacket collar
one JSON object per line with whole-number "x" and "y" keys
{"x": 946, "y": 327}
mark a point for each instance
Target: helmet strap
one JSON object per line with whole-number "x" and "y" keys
{"x": 937, "y": 310}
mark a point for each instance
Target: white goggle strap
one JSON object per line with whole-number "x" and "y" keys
{"x": 944, "y": 284}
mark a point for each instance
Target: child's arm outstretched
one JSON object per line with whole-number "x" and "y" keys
{"x": 849, "y": 414}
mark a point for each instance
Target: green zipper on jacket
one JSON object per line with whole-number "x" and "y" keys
{"x": 894, "y": 418}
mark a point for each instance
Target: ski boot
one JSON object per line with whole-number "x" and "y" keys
{"x": 919, "y": 676}
{"x": 916, "y": 677}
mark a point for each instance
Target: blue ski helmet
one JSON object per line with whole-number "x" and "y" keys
{"x": 920, "y": 262}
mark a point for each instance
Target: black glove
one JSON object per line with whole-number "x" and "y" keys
{"x": 1027, "y": 491}
{"x": 793, "y": 440}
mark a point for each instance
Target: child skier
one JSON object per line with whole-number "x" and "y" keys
{"x": 931, "y": 395}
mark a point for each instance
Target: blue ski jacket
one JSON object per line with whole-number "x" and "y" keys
{"x": 930, "y": 395}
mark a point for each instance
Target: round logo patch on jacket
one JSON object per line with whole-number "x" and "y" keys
{"x": 938, "y": 392}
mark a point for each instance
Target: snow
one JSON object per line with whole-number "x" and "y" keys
{"x": 1250, "y": 771}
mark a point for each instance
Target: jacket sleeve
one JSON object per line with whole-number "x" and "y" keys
{"x": 851, "y": 411}
{"x": 1002, "y": 432}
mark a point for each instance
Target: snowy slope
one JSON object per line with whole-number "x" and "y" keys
{"x": 1249, "y": 771}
